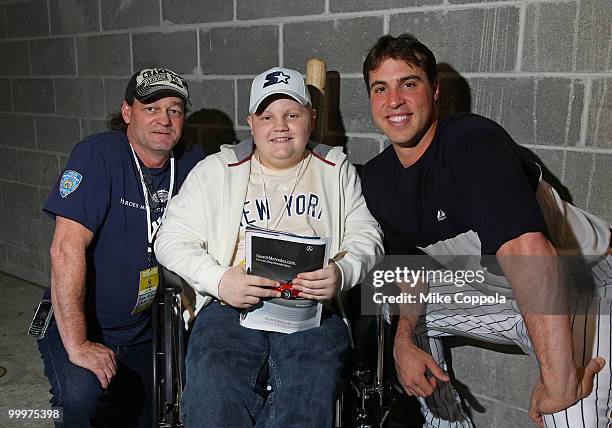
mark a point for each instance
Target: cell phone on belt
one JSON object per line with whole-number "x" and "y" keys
{"x": 41, "y": 320}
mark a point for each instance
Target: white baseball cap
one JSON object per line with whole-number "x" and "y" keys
{"x": 278, "y": 80}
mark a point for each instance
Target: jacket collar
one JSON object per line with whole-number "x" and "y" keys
{"x": 235, "y": 155}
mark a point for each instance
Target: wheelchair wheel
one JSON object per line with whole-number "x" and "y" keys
{"x": 168, "y": 352}
{"x": 372, "y": 385}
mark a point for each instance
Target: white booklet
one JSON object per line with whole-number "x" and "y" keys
{"x": 281, "y": 256}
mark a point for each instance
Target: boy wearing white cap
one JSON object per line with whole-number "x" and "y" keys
{"x": 243, "y": 377}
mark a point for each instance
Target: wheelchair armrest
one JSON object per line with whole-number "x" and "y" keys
{"x": 171, "y": 282}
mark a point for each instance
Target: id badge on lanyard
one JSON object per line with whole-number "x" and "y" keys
{"x": 148, "y": 279}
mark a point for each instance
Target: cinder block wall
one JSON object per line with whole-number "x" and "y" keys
{"x": 540, "y": 67}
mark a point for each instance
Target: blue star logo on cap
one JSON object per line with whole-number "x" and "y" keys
{"x": 69, "y": 182}
{"x": 276, "y": 77}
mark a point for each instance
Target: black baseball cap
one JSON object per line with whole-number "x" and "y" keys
{"x": 150, "y": 84}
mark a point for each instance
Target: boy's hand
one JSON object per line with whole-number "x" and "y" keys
{"x": 240, "y": 290}
{"x": 322, "y": 284}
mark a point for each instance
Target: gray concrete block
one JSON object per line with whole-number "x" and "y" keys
{"x": 342, "y": 43}
{"x": 479, "y": 372}
{"x": 472, "y": 1}
{"x": 91, "y": 98}
{"x": 27, "y": 18}
{"x": 67, "y": 97}
{"x": 578, "y": 167}
{"x": 17, "y": 131}
{"x": 80, "y": 97}
{"x": 517, "y": 373}
{"x": 91, "y": 126}
{"x": 473, "y": 371}
{"x": 601, "y": 197}
{"x": 559, "y": 37}
{"x": 2, "y": 22}
{"x": 53, "y": 56}
{"x": 63, "y": 161}
{"x": 6, "y": 96}
{"x": 360, "y": 5}
{"x": 20, "y": 199}
{"x": 510, "y": 417}
{"x": 244, "y": 91}
{"x": 117, "y": 14}
{"x": 47, "y": 279}
{"x": 547, "y": 45}
{"x": 592, "y": 48}
{"x": 114, "y": 94}
{"x": 238, "y": 50}
{"x": 209, "y": 137}
{"x": 74, "y": 16}
{"x": 19, "y": 62}
{"x": 195, "y": 11}
{"x": 509, "y": 102}
{"x": 107, "y": 55}
{"x": 552, "y": 161}
{"x": 8, "y": 164}
{"x": 56, "y": 134}
{"x": 33, "y": 95}
{"x": 3, "y": 263}
{"x": 348, "y": 106}
{"x": 360, "y": 150}
{"x": 213, "y": 95}
{"x": 599, "y": 128}
{"x": 558, "y": 111}
{"x": 473, "y": 39}
{"x": 37, "y": 235}
{"x": 38, "y": 169}
{"x": 454, "y": 92}
{"x": 26, "y": 264}
{"x": 534, "y": 111}
{"x": 43, "y": 194}
{"x": 242, "y": 134}
{"x": 256, "y": 9}
{"x": 176, "y": 51}
{"x": 11, "y": 232}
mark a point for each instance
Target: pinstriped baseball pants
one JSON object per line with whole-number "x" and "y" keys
{"x": 503, "y": 324}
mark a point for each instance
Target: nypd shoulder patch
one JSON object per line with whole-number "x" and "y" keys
{"x": 69, "y": 182}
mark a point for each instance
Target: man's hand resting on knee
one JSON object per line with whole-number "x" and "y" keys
{"x": 96, "y": 358}
{"x": 559, "y": 396}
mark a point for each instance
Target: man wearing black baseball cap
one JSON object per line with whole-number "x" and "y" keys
{"x": 108, "y": 205}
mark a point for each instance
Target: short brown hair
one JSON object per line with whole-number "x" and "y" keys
{"x": 406, "y": 48}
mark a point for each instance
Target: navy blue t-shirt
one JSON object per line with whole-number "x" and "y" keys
{"x": 101, "y": 189}
{"x": 470, "y": 192}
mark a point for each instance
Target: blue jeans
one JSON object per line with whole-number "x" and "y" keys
{"x": 238, "y": 377}
{"x": 127, "y": 402}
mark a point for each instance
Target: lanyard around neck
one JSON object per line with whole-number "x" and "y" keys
{"x": 288, "y": 200}
{"x": 152, "y": 227}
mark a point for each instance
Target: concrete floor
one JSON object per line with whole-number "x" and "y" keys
{"x": 24, "y": 386}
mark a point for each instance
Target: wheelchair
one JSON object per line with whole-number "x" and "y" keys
{"x": 364, "y": 403}
{"x": 169, "y": 344}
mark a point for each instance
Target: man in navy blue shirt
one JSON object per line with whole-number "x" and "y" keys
{"x": 108, "y": 206}
{"x": 460, "y": 189}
